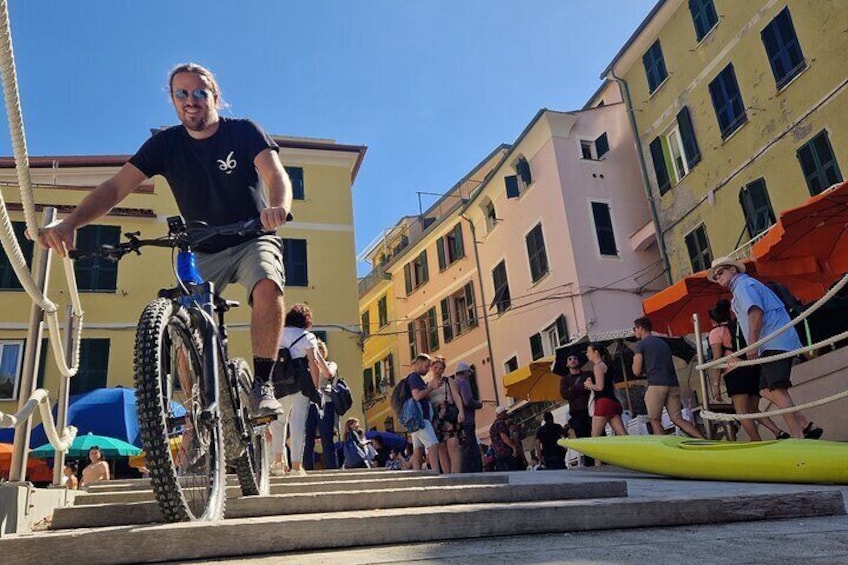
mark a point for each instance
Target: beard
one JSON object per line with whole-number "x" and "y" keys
{"x": 197, "y": 122}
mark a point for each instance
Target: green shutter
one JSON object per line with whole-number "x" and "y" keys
{"x": 663, "y": 183}
{"x": 413, "y": 349}
{"x": 390, "y": 369}
{"x": 536, "y": 350}
{"x": 562, "y": 329}
{"x": 440, "y": 251}
{"x": 602, "y": 145}
{"x": 469, "y": 304}
{"x": 407, "y": 278}
{"x": 447, "y": 327}
{"x": 425, "y": 273}
{"x": 687, "y": 136}
{"x": 433, "y": 329}
{"x": 512, "y": 190}
{"x": 459, "y": 244}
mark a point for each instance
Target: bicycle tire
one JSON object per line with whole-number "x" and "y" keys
{"x": 189, "y": 479}
{"x": 250, "y": 460}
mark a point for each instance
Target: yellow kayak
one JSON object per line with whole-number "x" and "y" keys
{"x": 784, "y": 461}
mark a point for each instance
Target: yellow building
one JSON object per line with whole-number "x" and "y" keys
{"x": 319, "y": 257}
{"x": 741, "y": 111}
{"x": 426, "y": 266}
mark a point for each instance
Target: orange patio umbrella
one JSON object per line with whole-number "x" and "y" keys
{"x": 807, "y": 250}
{"x": 670, "y": 310}
{"x": 37, "y": 469}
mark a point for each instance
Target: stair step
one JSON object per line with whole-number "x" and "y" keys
{"x": 103, "y": 515}
{"x": 290, "y": 486}
{"x": 304, "y": 532}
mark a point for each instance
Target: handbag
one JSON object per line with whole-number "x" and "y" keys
{"x": 450, "y": 411}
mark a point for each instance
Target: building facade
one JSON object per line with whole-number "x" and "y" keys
{"x": 741, "y": 111}
{"x": 319, "y": 260}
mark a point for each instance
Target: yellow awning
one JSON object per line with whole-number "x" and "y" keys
{"x": 534, "y": 382}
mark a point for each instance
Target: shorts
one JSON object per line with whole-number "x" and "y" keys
{"x": 607, "y": 407}
{"x": 743, "y": 380}
{"x": 425, "y": 437}
{"x": 775, "y": 375}
{"x": 246, "y": 263}
{"x": 658, "y": 397}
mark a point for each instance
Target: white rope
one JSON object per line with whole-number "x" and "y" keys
{"x": 756, "y": 416}
{"x": 59, "y": 441}
{"x": 40, "y": 400}
{"x": 733, "y": 360}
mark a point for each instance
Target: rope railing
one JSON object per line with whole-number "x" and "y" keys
{"x": 60, "y": 441}
{"x": 732, "y": 360}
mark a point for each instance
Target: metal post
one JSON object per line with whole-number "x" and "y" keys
{"x": 64, "y": 391}
{"x": 32, "y": 351}
{"x": 705, "y": 399}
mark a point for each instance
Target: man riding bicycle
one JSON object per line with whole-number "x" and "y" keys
{"x": 215, "y": 167}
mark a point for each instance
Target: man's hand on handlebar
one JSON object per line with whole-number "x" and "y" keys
{"x": 58, "y": 236}
{"x": 273, "y": 217}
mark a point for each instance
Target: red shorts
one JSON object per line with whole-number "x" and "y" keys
{"x": 607, "y": 407}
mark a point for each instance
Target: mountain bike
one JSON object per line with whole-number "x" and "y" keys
{"x": 193, "y": 400}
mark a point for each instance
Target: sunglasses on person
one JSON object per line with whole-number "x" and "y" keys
{"x": 197, "y": 94}
{"x": 570, "y": 357}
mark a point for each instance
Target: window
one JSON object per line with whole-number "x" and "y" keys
{"x": 295, "y": 261}
{"x": 322, "y": 335}
{"x": 654, "y": 66}
{"x": 594, "y": 150}
{"x": 93, "y": 367}
{"x": 502, "y": 299}
{"x": 490, "y": 215}
{"x": 522, "y": 168}
{"x": 459, "y": 313}
{"x": 604, "y": 230}
{"x": 512, "y": 190}
{"x": 536, "y": 253}
{"x": 8, "y": 278}
{"x": 378, "y": 376}
{"x": 677, "y": 150}
{"x": 698, "y": 246}
{"x": 368, "y": 383}
{"x": 783, "y": 49}
{"x": 296, "y": 177}
{"x": 11, "y": 358}
{"x": 450, "y": 248}
{"x": 727, "y": 102}
{"x": 511, "y": 364}
{"x": 97, "y": 274}
{"x": 819, "y": 164}
{"x": 415, "y": 272}
{"x": 703, "y": 16}
{"x": 423, "y": 334}
{"x": 389, "y": 369}
{"x": 756, "y": 207}
{"x": 545, "y": 342}
{"x": 366, "y": 323}
{"x": 383, "y": 311}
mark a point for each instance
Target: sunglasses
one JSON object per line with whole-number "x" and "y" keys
{"x": 570, "y": 357}
{"x": 197, "y": 94}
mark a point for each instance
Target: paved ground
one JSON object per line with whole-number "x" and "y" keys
{"x": 813, "y": 541}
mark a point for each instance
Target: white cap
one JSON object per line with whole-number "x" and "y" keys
{"x": 462, "y": 367}
{"x": 499, "y": 410}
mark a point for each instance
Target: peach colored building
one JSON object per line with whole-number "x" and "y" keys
{"x": 566, "y": 244}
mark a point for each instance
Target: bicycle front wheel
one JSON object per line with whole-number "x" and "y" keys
{"x": 183, "y": 444}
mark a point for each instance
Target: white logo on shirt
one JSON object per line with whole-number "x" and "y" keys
{"x": 229, "y": 165}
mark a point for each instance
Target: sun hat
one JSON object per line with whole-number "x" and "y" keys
{"x": 724, "y": 262}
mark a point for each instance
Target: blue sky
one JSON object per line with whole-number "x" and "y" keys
{"x": 430, "y": 86}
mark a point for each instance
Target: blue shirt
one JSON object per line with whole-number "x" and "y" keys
{"x": 749, "y": 292}
{"x": 416, "y": 382}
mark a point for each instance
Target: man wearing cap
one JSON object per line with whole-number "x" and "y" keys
{"x": 470, "y": 449}
{"x": 760, "y": 313}
{"x": 505, "y": 449}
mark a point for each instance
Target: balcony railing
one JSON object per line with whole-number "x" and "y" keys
{"x": 372, "y": 279}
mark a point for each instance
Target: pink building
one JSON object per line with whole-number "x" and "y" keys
{"x": 565, "y": 241}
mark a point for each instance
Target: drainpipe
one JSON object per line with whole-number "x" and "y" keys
{"x": 625, "y": 93}
{"x": 484, "y": 303}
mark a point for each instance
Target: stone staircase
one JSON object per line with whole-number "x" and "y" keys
{"x": 119, "y": 522}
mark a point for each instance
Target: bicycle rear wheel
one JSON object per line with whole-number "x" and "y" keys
{"x": 184, "y": 446}
{"x": 251, "y": 459}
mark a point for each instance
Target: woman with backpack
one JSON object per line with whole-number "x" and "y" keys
{"x": 743, "y": 383}
{"x": 299, "y": 350}
{"x": 448, "y": 417}
{"x": 357, "y": 451}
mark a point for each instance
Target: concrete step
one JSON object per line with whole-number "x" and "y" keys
{"x": 103, "y": 515}
{"x": 376, "y": 481}
{"x": 124, "y": 485}
{"x": 277, "y": 534}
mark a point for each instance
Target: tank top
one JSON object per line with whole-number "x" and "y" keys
{"x": 609, "y": 387}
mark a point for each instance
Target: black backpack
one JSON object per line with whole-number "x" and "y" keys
{"x": 400, "y": 394}
{"x": 342, "y": 397}
{"x": 290, "y": 375}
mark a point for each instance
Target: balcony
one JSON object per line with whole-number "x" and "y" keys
{"x": 372, "y": 279}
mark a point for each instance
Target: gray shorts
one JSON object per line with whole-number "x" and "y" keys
{"x": 246, "y": 264}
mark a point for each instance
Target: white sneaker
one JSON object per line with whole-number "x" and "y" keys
{"x": 277, "y": 469}
{"x": 301, "y": 472}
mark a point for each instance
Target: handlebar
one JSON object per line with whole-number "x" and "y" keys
{"x": 179, "y": 235}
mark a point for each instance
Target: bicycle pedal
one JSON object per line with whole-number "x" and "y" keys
{"x": 263, "y": 420}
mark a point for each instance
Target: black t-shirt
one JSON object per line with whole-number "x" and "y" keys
{"x": 548, "y": 434}
{"x": 213, "y": 180}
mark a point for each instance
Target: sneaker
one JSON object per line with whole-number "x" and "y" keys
{"x": 300, "y": 472}
{"x": 277, "y": 469}
{"x": 783, "y": 435}
{"x": 263, "y": 403}
{"x": 813, "y": 432}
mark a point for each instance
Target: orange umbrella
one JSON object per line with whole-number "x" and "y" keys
{"x": 37, "y": 469}
{"x": 807, "y": 249}
{"x": 670, "y": 310}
